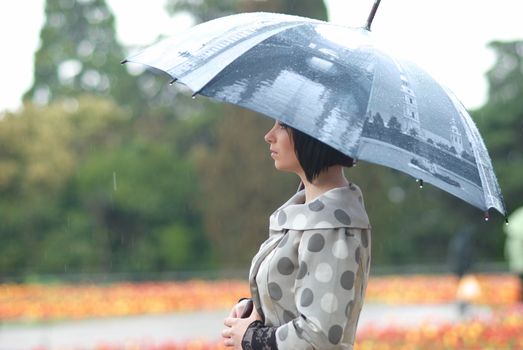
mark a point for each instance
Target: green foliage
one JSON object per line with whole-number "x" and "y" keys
{"x": 85, "y": 189}
{"x": 241, "y": 186}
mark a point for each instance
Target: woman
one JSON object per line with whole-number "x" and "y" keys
{"x": 309, "y": 277}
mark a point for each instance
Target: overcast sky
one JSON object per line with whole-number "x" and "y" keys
{"x": 447, "y": 38}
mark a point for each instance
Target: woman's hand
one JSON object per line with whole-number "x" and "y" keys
{"x": 232, "y": 335}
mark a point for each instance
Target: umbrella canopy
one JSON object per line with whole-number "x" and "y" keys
{"x": 334, "y": 84}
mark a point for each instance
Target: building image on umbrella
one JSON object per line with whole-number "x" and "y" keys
{"x": 414, "y": 117}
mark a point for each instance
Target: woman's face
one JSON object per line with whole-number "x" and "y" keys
{"x": 282, "y": 148}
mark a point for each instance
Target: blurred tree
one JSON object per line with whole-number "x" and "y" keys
{"x": 210, "y": 9}
{"x": 140, "y": 198}
{"x": 79, "y": 54}
{"x": 241, "y": 186}
{"x": 39, "y": 153}
{"x": 87, "y": 177}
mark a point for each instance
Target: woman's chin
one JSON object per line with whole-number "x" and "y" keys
{"x": 287, "y": 169}
{"x": 279, "y": 167}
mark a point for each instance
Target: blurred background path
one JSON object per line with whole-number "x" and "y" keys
{"x": 207, "y": 325}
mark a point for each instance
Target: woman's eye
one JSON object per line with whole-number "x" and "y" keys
{"x": 282, "y": 126}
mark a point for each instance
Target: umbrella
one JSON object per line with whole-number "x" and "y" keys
{"x": 333, "y": 83}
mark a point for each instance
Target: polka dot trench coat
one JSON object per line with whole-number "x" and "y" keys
{"x": 309, "y": 277}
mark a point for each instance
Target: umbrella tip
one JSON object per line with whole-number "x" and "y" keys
{"x": 124, "y": 61}
{"x": 506, "y": 220}
{"x": 173, "y": 81}
{"x": 372, "y": 14}
{"x": 486, "y": 216}
{"x": 420, "y": 181}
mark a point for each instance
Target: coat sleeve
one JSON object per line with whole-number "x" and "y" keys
{"x": 329, "y": 290}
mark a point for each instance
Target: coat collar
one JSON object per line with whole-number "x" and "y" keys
{"x": 339, "y": 207}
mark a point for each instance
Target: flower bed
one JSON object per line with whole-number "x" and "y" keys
{"x": 501, "y": 332}
{"x": 421, "y": 289}
{"x": 52, "y": 302}
{"x": 49, "y": 302}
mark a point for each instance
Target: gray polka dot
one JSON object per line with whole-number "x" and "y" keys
{"x": 365, "y": 238}
{"x": 283, "y": 332}
{"x": 275, "y": 291}
{"x": 302, "y": 271}
{"x": 335, "y": 333}
{"x": 282, "y": 218}
{"x": 347, "y": 280}
{"x": 316, "y": 243}
{"x": 317, "y": 205}
{"x": 342, "y": 216}
{"x": 352, "y": 187}
{"x": 283, "y": 240}
{"x": 348, "y": 309}
{"x": 306, "y": 297}
{"x": 288, "y": 316}
{"x": 285, "y": 266}
{"x": 358, "y": 255}
{"x": 360, "y": 199}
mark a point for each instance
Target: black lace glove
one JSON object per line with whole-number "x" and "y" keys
{"x": 259, "y": 337}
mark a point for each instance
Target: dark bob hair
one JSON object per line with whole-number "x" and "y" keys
{"x": 315, "y": 156}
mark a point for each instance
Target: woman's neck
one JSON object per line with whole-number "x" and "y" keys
{"x": 332, "y": 177}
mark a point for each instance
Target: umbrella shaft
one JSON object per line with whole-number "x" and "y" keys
{"x": 372, "y": 14}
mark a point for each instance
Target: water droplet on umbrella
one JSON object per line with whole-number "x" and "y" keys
{"x": 486, "y": 216}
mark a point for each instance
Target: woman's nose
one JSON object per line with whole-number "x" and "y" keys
{"x": 269, "y": 136}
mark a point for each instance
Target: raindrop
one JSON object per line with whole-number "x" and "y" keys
{"x": 115, "y": 187}
{"x": 486, "y": 216}
{"x": 193, "y": 96}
